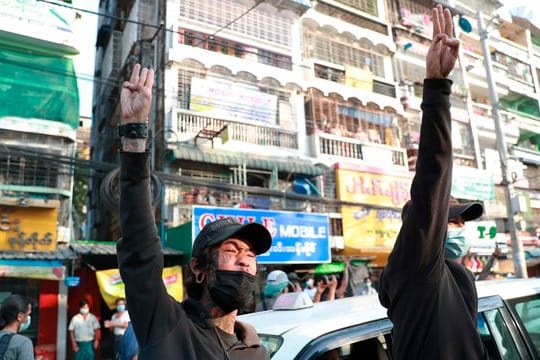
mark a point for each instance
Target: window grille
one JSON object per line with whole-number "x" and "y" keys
{"x": 367, "y": 6}
{"x": 258, "y": 24}
{"x": 322, "y": 47}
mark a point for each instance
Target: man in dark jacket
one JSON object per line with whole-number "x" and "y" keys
{"x": 431, "y": 299}
{"x": 223, "y": 264}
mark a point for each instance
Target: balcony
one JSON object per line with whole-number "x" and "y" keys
{"x": 332, "y": 148}
{"x": 190, "y": 124}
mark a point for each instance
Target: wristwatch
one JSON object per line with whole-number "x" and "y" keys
{"x": 133, "y": 130}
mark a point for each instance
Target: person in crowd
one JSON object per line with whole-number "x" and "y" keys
{"x": 84, "y": 332}
{"x": 118, "y": 323}
{"x": 430, "y": 297}
{"x": 367, "y": 287}
{"x": 277, "y": 283}
{"x": 15, "y": 317}
{"x": 222, "y": 268}
{"x": 129, "y": 348}
{"x": 310, "y": 288}
{"x": 326, "y": 288}
{"x": 295, "y": 281}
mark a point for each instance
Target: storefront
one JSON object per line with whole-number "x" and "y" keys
{"x": 370, "y": 231}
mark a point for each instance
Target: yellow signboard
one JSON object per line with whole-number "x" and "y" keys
{"x": 111, "y": 285}
{"x": 360, "y": 78}
{"x": 370, "y": 186}
{"x": 28, "y": 228}
{"x": 371, "y": 231}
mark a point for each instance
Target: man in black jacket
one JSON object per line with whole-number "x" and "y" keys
{"x": 431, "y": 299}
{"x": 223, "y": 264}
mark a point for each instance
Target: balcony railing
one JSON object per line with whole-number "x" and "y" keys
{"x": 332, "y": 145}
{"x": 191, "y": 123}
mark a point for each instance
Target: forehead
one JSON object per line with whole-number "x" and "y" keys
{"x": 239, "y": 243}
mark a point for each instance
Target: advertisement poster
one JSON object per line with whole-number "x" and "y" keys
{"x": 369, "y": 230}
{"x": 111, "y": 285}
{"x": 297, "y": 238}
{"x": 221, "y": 98}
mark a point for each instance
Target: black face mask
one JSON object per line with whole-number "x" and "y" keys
{"x": 231, "y": 290}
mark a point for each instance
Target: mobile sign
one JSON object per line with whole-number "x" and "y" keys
{"x": 297, "y": 238}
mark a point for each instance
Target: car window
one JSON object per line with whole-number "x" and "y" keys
{"x": 369, "y": 341}
{"x": 496, "y": 336}
{"x": 528, "y": 311}
{"x": 271, "y": 343}
{"x": 370, "y": 349}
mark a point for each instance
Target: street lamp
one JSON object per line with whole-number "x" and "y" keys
{"x": 517, "y": 247}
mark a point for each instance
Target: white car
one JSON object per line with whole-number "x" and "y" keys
{"x": 358, "y": 327}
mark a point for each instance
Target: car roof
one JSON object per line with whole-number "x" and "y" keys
{"x": 322, "y": 318}
{"x": 328, "y": 316}
{"x": 509, "y": 288}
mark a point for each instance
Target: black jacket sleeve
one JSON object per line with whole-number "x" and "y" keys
{"x": 152, "y": 311}
{"x": 419, "y": 247}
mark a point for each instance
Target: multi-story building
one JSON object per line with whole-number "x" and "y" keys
{"x": 254, "y": 100}
{"x": 38, "y": 117}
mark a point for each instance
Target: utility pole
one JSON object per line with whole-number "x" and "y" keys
{"x": 518, "y": 256}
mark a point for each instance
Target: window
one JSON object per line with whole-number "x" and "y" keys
{"x": 528, "y": 311}
{"x": 321, "y": 47}
{"x": 233, "y": 15}
{"x": 496, "y": 336}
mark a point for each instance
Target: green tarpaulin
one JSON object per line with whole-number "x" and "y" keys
{"x": 34, "y": 85}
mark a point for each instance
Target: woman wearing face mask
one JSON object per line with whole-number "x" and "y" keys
{"x": 14, "y": 318}
{"x": 118, "y": 323}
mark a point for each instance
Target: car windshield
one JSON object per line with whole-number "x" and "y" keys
{"x": 271, "y": 343}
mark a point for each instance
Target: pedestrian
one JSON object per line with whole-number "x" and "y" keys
{"x": 431, "y": 297}
{"x": 128, "y": 346}
{"x": 367, "y": 287}
{"x": 84, "y": 332}
{"x": 310, "y": 288}
{"x": 118, "y": 323}
{"x": 277, "y": 283}
{"x": 222, "y": 268}
{"x": 14, "y": 318}
{"x": 295, "y": 281}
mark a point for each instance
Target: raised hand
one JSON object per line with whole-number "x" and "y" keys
{"x": 444, "y": 49}
{"x": 136, "y": 95}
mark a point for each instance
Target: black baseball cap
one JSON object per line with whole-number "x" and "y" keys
{"x": 468, "y": 211}
{"x": 218, "y": 231}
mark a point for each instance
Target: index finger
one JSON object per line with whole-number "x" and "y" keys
{"x": 135, "y": 73}
{"x": 436, "y": 20}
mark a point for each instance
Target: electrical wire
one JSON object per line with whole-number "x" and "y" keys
{"x": 101, "y": 169}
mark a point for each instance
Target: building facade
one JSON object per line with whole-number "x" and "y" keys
{"x": 315, "y": 107}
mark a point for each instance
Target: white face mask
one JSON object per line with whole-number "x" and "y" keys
{"x": 25, "y": 325}
{"x": 84, "y": 311}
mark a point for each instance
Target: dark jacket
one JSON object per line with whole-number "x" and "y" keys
{"x": 431, "y": 301}
{"x": 165, "y": 328}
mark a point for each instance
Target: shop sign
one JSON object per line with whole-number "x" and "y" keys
{"x": 111, "y": 285}
{"x": 471, "y": 183}
{"x": 296, "y": 237}
{"x": 222, "y": 98}
{"x": 484, "y": 237}
{"x": 373, "y": 187}
{"x": 534, "y": 198}
{"x": 32, "y": 269}
{"x": 28, "y": 228}
{"x": 371, "y": 230}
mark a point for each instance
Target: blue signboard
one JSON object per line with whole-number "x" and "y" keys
{"x": 297, "y": 238}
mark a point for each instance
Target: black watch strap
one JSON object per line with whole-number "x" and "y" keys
{"x": 133, "y": 130}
